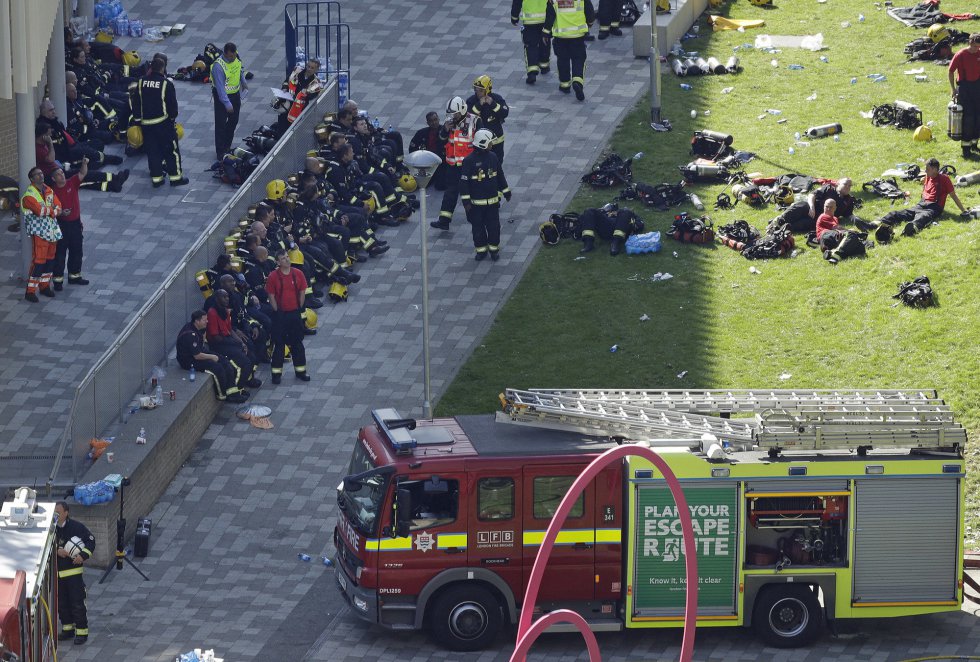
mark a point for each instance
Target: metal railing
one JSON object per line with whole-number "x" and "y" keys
{"x": 109, "y": 386}
{"x": 300, "y": 17}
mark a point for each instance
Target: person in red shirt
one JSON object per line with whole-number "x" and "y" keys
{"x": 964, "y": 82}
{"x": 70, "y": 221}
{"x": 936, "y": 187}
{"x": 827, "y": 222}
{"x": 226, "y": 340}
{"x": 286, "y": 288}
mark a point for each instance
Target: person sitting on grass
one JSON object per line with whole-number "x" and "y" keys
{"x": 936, "y": 187}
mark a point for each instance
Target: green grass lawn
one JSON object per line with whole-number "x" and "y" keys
{"x": 801, "y": 322}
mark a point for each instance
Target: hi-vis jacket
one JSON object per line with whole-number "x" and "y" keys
{"x": 459, "y": 143}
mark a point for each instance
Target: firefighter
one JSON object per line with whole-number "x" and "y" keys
{"x": 566, "y": 24}
{"x": 193, "y": 352}
{"x": 458, "y": 132}
{"x": 157, "y": 101}
{"x": 537, "y": 52}
{"x": 39, "y": 208}
{"x": 611, "y": 223}
{"x": 286, "y": 288}
{"x": 481, "y": 185}
{"x": 80, "y": 545}
{"x": 491, "y": 109}
{"x": 608, "y": 14}
{"x": 965, "y": 67}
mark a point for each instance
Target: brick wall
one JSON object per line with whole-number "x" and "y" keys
{"x": 8, "y": 138}
{"x": 172, "y": 432}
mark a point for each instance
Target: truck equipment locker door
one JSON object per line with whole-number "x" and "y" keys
{"x": 905, "y": 539}
{"x": 570, "y": 574}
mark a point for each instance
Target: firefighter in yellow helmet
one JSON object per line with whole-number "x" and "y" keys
{"x": 491, "y": 111}
{"x": 537, "y": 52}
{"x": 566, "y": 24}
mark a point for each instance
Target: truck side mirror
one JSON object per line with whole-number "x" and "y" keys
{"x": 403, "y": 513}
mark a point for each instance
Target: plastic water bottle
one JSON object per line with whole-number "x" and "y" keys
{"x": 792, "y": 151}
{"x": 696, "y": 201}
{"x": 158, "y": 394}
{"x": 774, "y": 111}
{"x": 774, "y": 62}
{"x": 823, "y": 58}
{"x": 326, "y": 561}
{"x": 727, "y": 90}
{"x": 860, "y": 18}
{"x": 845, "y": 24}
{"x": 300, "y": 56}
{"x": 685, "y": 86}
{"x": 376, "y": 123}
{"x": 797, "y": 136}
{"x": 193, "y": 375}
{"x": 614, "y": 349}
{"x": 795, "y": 67}
{"x": 836, "y": 137}
{"x": 388, "y": 128}
{"x": 141, "y": 437}
{"x": 854, "y": 81}
{"x": 694, "y": 114}
{"x": 303, "y": 557}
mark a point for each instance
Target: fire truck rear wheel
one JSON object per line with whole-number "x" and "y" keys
{"x": 466, "y": 618}
{"x": 787, "y": 616}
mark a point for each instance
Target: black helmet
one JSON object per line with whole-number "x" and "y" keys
{"x": 610, "y": 207}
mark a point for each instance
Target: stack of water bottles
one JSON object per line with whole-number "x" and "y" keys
{"x": 643, "y": 243}
{"x": 106, "y": 13}
{"x": 90, "y": 494}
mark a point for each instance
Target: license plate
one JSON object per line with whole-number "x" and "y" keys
{"x": 342, "y": 580}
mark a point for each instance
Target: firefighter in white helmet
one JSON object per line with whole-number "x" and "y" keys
{"x": 481, "y": 185}
{"x": 458, "y": 131}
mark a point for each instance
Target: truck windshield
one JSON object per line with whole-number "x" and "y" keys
{"x": 362, "y": 505}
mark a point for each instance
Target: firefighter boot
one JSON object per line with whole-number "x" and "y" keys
{"x": 616, "y": 246}
{"x": 588, "y": 245}
{"x": 579, "y": 91}
{"x": 66, "y": 634}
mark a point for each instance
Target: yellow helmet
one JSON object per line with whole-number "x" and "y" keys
{"x": 922, "y": 134}
{"x": 484, "y": 83}
{"x": 937, "y": 32}
{"x": 134, "y": 136}
{"x": 231, "y": 243}
{"x": 103, "y": 37}
{"x": 337, "y": 292}
{"x": 131, "y": 58}
{"x": 408, "y": 183}
{"x": 237, "y": 264}
{"x": 296, "y": 256}
{"x": 275, "y": 189}
{"x": 204, "y": 283}
{"x": 371, "y": 204}
{"x": 199, "y": 65}
{"x": 309, "y": 316}
{"x": 180, "y": 130}
{"x": 663, "y": 6}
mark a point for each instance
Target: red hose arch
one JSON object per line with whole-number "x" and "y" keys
{"x": 527, "y": 633}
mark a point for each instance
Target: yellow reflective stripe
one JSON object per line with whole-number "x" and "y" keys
{"x": 71, "y": 572}
{"x": 388, "y": 544}
{"x": 608, "y": 535}
{"x": 486, "y": 201}
{"x": 446, "y": 540}
{"x": 565, "y": 537}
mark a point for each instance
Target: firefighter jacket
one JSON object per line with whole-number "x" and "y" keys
{"x": 568, "y": 19}
{"x": 459, "y": 140}
{"x": 482, "y": 180}
{"x": 490, "y": 116}
{"x": 157, "y": 100}
{"x": 190, "y": 343}
{"x": 71, "y": 529}
{"x": 60, "y": 137}
{"x": 343, "y": 179}
{"x": 529, "y": 12}
{"x": 40, "y": 211}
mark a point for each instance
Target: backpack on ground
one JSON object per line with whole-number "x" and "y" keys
{"x": 916, "y": 293}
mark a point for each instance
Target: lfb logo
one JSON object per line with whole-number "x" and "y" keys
{"x": 495, "y": 537}
{"x": 424, "y": 541}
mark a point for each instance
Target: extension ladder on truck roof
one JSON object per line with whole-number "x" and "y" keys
{"x": 801, "y": 420}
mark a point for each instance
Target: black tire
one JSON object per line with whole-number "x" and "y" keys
{"x": 466, "y": 618}
{"x": 787, "y": 616}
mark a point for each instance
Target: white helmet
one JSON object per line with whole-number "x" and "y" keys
{"x": 483, "y": 138}
{"x": 74, "y": 546}
{"x": 456, "y": 105}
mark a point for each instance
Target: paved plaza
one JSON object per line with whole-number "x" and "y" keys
{"x": 223, "y": 564}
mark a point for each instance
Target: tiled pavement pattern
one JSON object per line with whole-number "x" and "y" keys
{"x": 223, "y": 558}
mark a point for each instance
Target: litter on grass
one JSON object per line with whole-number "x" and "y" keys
{"x": 644, "y": 317}
{"x": 810, "y": 42}
{"x": 783, "y": 377}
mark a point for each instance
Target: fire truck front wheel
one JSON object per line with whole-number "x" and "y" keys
{"x": 466, "y": 618}
{"x": 787, "y": 616}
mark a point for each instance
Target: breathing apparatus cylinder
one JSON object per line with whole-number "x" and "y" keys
{"x": 694, "y": 171}
{"x": 954, "y": 116}
{"x": 715, "y": 66}
{"x": 678, "y": 67}
{"x": 824, "y": 130}
{"x": 966, "y": 180}
{"x": 692, "y": 67}
{"x": 718, "y": 136}
{"x": 732, "y": 65}
{"x": 905, "y": 105}
{"x": 703, "y": 66}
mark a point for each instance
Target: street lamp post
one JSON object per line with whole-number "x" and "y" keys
{"x": 423, "y": 164}
{"x": 654, "y": 67}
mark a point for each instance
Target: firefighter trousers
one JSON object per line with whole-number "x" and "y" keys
{"x": 224, "y": 375}
{"x": 608, "y": 14}
{"x": 570, "y": 57}
{"x": 797, "y": 217}
{"x": 288, "y": 331}
{"x": 920, "y": 215}
{"x": 237, "y": 356}
{"x": 69, "y": 250}
{"x": 537, "y": 55}
{"x": 968, "y": 96}
{"x": 162, "y": 151}
{"x": 451, "y": 195}
{"x": 225, "y": 123}
{"x": 71, "y": 605}
{"x": 484, "y": 222}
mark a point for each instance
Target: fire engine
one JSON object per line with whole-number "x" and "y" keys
{"x": 28, "y": 579}
{"x": 807, "y": 507}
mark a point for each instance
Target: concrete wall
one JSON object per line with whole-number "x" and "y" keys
{"x": 670, "y": 27}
